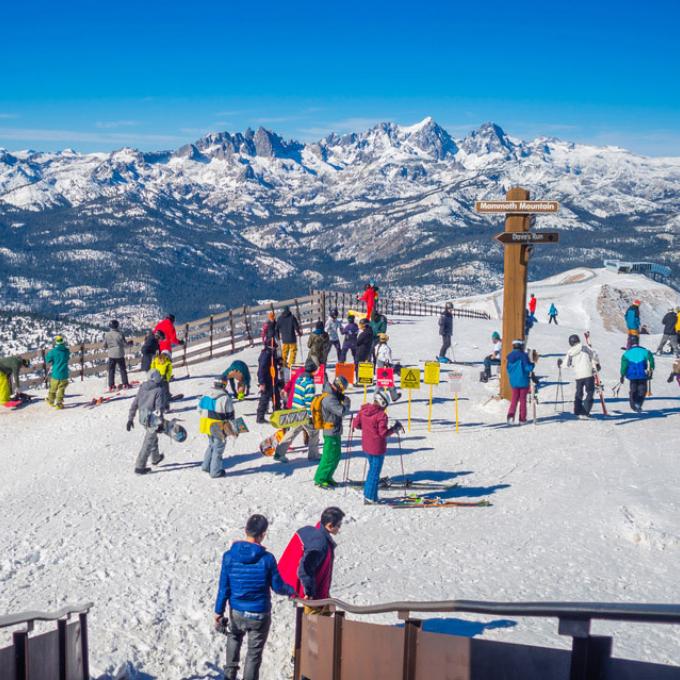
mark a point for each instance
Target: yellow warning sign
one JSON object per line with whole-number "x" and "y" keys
{"x": 431, "y": 373}
{"x": 365, "y": 374}
{"x": 410, "y": 378}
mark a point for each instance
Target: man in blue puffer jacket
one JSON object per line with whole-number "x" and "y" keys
{"x": 632, "y": 317}
{"x": 248, "y": 573}
{"x": 519, "y": 369}
{"x": 637, "y": 364}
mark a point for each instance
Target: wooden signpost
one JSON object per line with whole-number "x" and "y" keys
{"x": 517, "y": 241}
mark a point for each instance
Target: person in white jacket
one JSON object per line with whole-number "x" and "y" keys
{"x": 383, "y": 353}
{"x": 585, "y": 363}
{"x": 332, "y": 327}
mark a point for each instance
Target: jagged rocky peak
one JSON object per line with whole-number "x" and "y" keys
{"x": 270, "y": 145}
{"x": 432, "y": 138}
{"x": 488, "y": 138}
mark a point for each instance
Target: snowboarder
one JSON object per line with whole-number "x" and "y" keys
{"x": 552, "y": 314}
{"x": 216, "y": 415}
{"x": 637, "y": 364}
{"x": 670, "y": 335}
{"x": 364, "y": 343}
{"x": 303, "y": 395}
{"x": 307, "y": 562}
{"x": 333, "y": 328}
{"x": 149, "y": 401}
{"x": 115, "y": 344}
{"x": 238, "y": 376}
{"x": 269, "y": 383}
{"x": 632, "y": 318}
{"x": 162, "y": 363}
{"x": 532, "y": 304}
{"x": 519, "y": 369}
{"x": 372, "y": 422}
{"x": 59, "y": 357}
{"x": 10, "y": 369}
{"x": 328, "y": 410}
{"x": 319, "y": 344}
{"x": 167, "y": 327}
{"x": 493, "y": 359}
{"x": 350, "y": 330}
{"x": 150, "y": 347}
{"x": 289, "y": 332}
{"x": 248, "y": 574}
{"x": 446, "y": 331}
{"x": 585, "y": 363}
{"x": 369, "y": 297}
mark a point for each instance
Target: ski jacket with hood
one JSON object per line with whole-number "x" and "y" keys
{"x": 319, "y": 345}
{"x": 11, "y": 367}
{"x": 519, "y": 368}
{"x": 333, "y": 327}
{"x": 372, "y": 421}
{"x": 350, "y": 331}
{"x": 333, "y": 410}
{"x": 446, "y": 324}
{"x": 635, "y": 363}
{"x": 241, "y": 368}
{"x": 365, "y": 344}
{"x": 307, "y": 562}
{"x": 149, "y": 399}
{"x": 114, "y": 343}
{"x": 633, "y": 318}
{"x": 669, "y": 322}
{"x": 303, "y": 392}
{"x": 289, "y": 327}
{"x": 59, "y": 356}
{"x": 214, "y": 407}
{"x": 170, "y": 333}
{"x": 552, "y": 311}
{"x": 249, "y": 574}
{"x": 163, "y": 366}
{"x": 583, "y": 360}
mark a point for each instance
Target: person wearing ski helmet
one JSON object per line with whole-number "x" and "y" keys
{"x": 493, "y": 359}
{"x": 372, "y": 422}
{"x": 446, "y": 332}
{"x": 351, "y": 331}
{"x": 585, "y": 363}
{"x": 115, "y": 344}
{"x": 369, "y": 296}
{"x": 58, "y": 357}
{"x": 162, "y": 363}
{"x": 150, "y": 402}
{"x": 333, "y": 328}
{"x": 519, "y": 368}
{"x": 289, "y": 331}
{"x": 167, "y": 327}
{"x": 334, "y": 406}
{"x": 216, "y": 417}
{"x": 319, "y": 344}
{"x": 632, "y": 318}
{"x": 637, "y": 364}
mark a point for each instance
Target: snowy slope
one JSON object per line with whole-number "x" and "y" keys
{"x": 581, "y": 510}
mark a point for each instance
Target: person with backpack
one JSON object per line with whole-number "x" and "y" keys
{"x": 167, "y": 328}
{"x": 150, "y": 348}
{"x": 307, "y": 562}
{"x": 269, "y": 383}
{"x": 150, "y": 402}
{"x": 249, "y": 572}
{"x": 585, "y": 363}
{"x": 350, "y": 330}
{"x": 333, "y": 328}
{"x": 216, "y": 412}
{"x": 446, "y": 332}
{"x": 58, "y": 357}
{"x": 493, "y": 359}
{"x": 10, "y": 370}
{"x": 289, "y": 332}
{"x": 637, "y": 364}
{"x": 552, "y": 314}
{"x": 328, "y": 410}
{"x": 669, "y": 321}
{"x": 632, "y": 318}
{"x": 519, "y": 368}
{"x": 238, "y": 377}
{"x": 115, "y": 344}
{"x": 372, "y": 422}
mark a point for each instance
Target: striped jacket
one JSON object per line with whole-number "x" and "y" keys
{"x": 304, "y": 393}
{"x": 214, "y": 407}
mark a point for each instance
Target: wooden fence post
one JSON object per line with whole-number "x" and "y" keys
{"x": 186, "y": 342}
{"x": 44, "y": 365}
{"x": 299, "y": 316}
{"x": 245, "y": 318}
{"x": 20, "y": 643}
{"x": 231, "y": 328}
{"x": 63, "y": 648}
{"x": 82, "y": 361}
{"x": 211, "y": 335}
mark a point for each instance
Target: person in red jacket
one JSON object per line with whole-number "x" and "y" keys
{"x": 307, "y": 562}
{"x": 372, "y": 421}
{"x": 532, "y": 304}
{"x": 369, "y": 297}
{"x": 167, "y": 327}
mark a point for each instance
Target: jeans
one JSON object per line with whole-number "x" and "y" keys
{"x": 149, "y": 448}
{"x": 330, "y": 458}
{"x": 258, "y": 631}
{"x": 375, "y": 465}
{"x": 637, "y": 393}
{"x": 112, "y": 371}
{"x": 212, "y": 461}
{"x": 446, "y": 345}
{"x": 519, "y": 396}
{"x": 488, "y": 363}
{"x": 582, "y": 407}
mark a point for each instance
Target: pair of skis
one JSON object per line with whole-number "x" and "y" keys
{"x": 422, "y": 502}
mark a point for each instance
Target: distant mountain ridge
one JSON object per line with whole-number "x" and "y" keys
{"x": 234, "y": 217}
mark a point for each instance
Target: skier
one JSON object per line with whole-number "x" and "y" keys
{"x": 669, "y": 321}
{"x": 369, "y": 297}
{"x": 268, "y": 380}
{"x": 150, "y": 348}
{"x": 303, "y": 395}
{"x": 59, "y": 357}
{"x": 270, "y": 331}
{"x": 493, "y": 359}
{"x": 216, "y": 415}
{"x": 162, "y": 363}
{"x": 519, "y": 369}
{"x": 289, "y": 330}
{"x": 637, "y": 364}
{"x": 364, "y": 343}
{"x": 10, "y": 369}
{"x": 350, "y": 330}
{"x": 372, "y": 421}
{"x": 446, "y": 331}
{"x": 167, "y": 327}
{"x": 532, "y": 304}
{"x": 328, "y": 410}
{"x": 552, "y": 314}
{"x": 383, "y": 352}
{"x": 307, "y": 562}
{"x": 115, "y": 344}
{"x": 238, "y": 377}
{"x": 585, "y": 363}
{"x": 632, "y": 318}
{"x": 319, "y": 344}
{"x": 333, "y": 328}
{"x": 149, "y": 401}
{"x": 248, "y": 574}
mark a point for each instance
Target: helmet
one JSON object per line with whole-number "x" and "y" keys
{"x": 449, "y": 306}
{"x": 59, "y": 340}
{"x": 286, "y": 308}
{"x": 166, "y": 353}
{"x": 636, "y": 303}
{"x": 350, "y": 318}
{"x": 633, "y": 340}
{"x": 114, "y": 324}
{"x": 171, "y": 317}
{"x": 381, "y": 399}
{"x": 310, "y": 366}
{"x": 340, "y": 384}
{"x": 518, "y": 343}
{"x": 574, "y": 340}
{"x": 334, "y": 313}
{"x": 383, "y": 337}
{"x": 495, "y": 335}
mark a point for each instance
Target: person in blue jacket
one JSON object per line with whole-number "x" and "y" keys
{"x": 519, "y": 369}
{"x": 552, "y": 314}
{"x": 632, "y": 318}
{"x": 637, "y": 364}
{"x": 248, "y": 575}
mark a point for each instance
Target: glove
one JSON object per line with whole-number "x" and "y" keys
{"x": 559, "y": 363}
{"x": 598, "y": 368}
{"x": 130, "y": 425}
{"x": 182, "y": 342}
{"x": 398, "y": 427}
{"x": 622, "y": 379}
{"x": 222, "y": 625}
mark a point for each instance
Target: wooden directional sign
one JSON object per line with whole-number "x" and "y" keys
{"x": 517, "y": 207}
{"x": 528, "y": 237}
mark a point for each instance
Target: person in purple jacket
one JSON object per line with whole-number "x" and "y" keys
{"x": 350, "y": 330}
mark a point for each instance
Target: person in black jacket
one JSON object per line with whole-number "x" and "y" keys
{"x": 670, "y": 336}
{"x": 150, "y": 348}
{"x": 289, "y": 331}
{"x": 446, "y": 331}
{"x": 364, "y": 344}
{"x": 269, "y": 385}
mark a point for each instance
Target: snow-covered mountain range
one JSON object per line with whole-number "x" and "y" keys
{"x": 237, "y": 216}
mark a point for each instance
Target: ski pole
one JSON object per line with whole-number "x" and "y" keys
{"x": 401, "y": 457}
{"x": 348, "y": 448}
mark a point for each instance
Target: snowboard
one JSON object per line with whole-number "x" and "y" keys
{"x": 268, "y": 445}
{"x": 18, "y": 403}
{"x": 174, "y": 430}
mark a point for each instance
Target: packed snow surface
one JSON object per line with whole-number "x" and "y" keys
{"x": 581, "y": 511}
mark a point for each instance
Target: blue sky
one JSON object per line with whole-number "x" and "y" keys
{"x": 98, "y": 76}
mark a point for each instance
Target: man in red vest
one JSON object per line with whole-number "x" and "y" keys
{"x": 307, "y": 561}
{"x": 167, "y": 327}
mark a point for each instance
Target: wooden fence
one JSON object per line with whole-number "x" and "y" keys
{"x": 227, "y": 333}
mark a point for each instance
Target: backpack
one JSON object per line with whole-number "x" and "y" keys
{"x": 317, "y": 416}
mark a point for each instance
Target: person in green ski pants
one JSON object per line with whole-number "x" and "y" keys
{"x": 334, "y": 406}
{"x": 58, "y": 357}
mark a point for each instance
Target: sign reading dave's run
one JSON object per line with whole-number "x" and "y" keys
{"x": 517, "y": 207}
{"x": 532, "y": 237}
